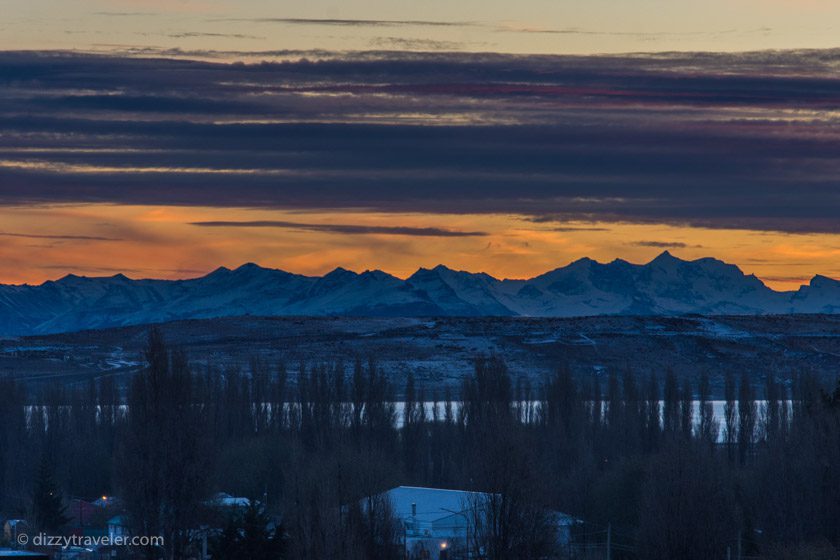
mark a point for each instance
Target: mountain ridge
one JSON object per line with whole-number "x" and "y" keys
{"x": 667, "y": 285}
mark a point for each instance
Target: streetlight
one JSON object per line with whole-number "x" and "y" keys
{"x": 467, "y": 529}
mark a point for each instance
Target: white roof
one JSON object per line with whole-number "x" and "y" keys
{"x": 226, "y": 500}
{"x": 432, "y": 503}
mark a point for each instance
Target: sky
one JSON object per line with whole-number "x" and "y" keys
{"x": 165, "y": 139}
{"x": 525, "y": 26}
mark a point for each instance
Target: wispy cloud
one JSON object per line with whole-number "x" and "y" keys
{"x": 83, "y": 269}
{"x": 76, "y": 269}
{"x": 530, "y": 29}
{"x": 58, "y": 237}
{"x": 198, "y": 34}
{"x": 663, "y": 244}
{"x": 499, "y": 27}
{"x": 566, "y": 229}
{"x": 804, "y": 279}
{"x": 415, "y": 44}
{"x": 358, "y": 22}
{"x": 350, "y": 229}
{"x": 125, "y": 14}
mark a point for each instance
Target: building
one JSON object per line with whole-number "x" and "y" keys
{"x": 433, "y": 519}
{"x": 14, "y": 527}
{"x": 226, "y": 501}
{"x": 8, "y": 553}
{"x": 117, "y": 528}
{"x": 106, "y": 502}
{"x": 82, "y": 514}
{"x": 438, "y": 523}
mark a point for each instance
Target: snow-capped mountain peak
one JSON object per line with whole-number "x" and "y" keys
{"x": 665, "y": 285}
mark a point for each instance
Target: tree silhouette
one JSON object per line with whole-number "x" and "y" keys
{"x": 253, "y": 535}
{"x": 48, "y": 505}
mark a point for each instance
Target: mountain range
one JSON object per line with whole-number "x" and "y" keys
{"x": 666, "y": 285}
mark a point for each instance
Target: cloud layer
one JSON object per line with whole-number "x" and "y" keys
{"x": 352, "y": 229}
{"x": 748, "y": 141}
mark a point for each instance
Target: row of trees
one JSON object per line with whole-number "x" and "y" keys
{"x": 645, "y": 455}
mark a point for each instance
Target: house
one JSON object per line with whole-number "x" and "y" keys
{"x": 227, "y": 502}
{"x": 439, "y": 523}
{"x": 8, "y": 553}
{"x": 14, "y": 527}
{"x": 81, "y": 513}
{"x": 88, "y": 518}
{"x": 85, "y": 519}
{"x": 106, "y": 502}
{"x": 117, "y": 528}
{"x": 433, "y": 519}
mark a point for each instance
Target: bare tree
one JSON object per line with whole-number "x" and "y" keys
{"x": 163, "y": 463}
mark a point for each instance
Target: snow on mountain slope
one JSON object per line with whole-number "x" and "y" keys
{"x": 459, "y": 293}
{"x": 373, "y": 292}
{"x": 704, "y": 286}
{"x": 821, "y": 295}
{"x": 665, "y": 286}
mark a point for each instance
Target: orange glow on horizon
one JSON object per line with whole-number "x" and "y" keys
{"x": 46, "y": 242}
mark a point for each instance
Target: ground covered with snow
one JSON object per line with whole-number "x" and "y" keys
{"x": 440, "y": 351}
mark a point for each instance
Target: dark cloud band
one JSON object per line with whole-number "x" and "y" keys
{"x": 345, "y": 228}
{"x": 58, "y": 237}
{"x": 663, "y": 244}
{"x": 744, "y": 141}
{"x": 360, "y": 22}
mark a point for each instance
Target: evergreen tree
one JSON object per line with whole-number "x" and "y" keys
{"x": 250, "y": 535}
{"x": 48, "y": 505}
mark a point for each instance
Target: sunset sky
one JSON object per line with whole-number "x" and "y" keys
{"x": 526, "y": 26}
{"x": 166, "y": 139}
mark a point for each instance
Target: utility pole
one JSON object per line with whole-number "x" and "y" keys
{"x": 466, "y": 528}
{"x": 609, "y": 541}
{"x": 739, "y": 545}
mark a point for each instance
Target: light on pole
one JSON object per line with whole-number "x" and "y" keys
{"x": 467, "y": 528}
